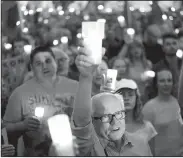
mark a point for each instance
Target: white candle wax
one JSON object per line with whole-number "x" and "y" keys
{"x": 111, "y": 78}
{"x": 61, "y": 134}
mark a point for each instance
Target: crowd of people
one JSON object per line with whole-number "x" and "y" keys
{"x": 142, "y": 116}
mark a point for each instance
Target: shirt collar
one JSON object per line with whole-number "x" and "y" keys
{"x": 104, "y": 142}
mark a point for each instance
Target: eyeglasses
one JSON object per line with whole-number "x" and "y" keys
{"x": 119, "y": 115}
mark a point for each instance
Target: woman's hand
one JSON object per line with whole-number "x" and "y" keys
{"x": 7, "y": 150}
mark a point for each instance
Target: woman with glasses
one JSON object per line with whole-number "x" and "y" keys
{"x": 99, "y": 123}
{"x": 164, "y": 113}
{"x": 133, "y": 106}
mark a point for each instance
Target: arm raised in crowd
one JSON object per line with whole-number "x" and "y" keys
{"x": 82, "y": 124}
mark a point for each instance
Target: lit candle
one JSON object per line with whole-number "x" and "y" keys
{"x": 131, "y": 32}
{"x": 39, "y": 112}
{"x": 27, "y": 49}
{"x": 61, "y": 135}
{"x": 109, "y": 80}
{"x": 93, "y": 33}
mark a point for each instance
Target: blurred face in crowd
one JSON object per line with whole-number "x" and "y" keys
{"x": 136, "y": 51}
{"x": 129, "y": 96}
{"x": 18, "y": 47}
{"x": 164, "y": 82}
{"x": 98, "y": 75}
{"x": 121, "y": 67}
{"x": 44, "y": 66}
{"x": 181, "y": 43}
{"x": 170, "y": 46}
{"x": 63, "y": 63}
{"x": 115, "y": 128}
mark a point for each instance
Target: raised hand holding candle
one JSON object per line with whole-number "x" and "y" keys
{"x": 61, "y": 135}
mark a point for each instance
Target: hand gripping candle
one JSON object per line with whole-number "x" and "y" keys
{"x": 61, "y": 135}
{"x": 93, "y": 33}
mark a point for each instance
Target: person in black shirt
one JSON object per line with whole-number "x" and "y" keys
{"x": 153, "y": 49}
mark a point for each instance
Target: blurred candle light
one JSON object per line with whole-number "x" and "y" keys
{"x": 149, "y": 73}
{"x": 55, "y": 42}
{"x": 132, "y": 9}
{"x": 40, "y": 19}
{"x": 46, "y": 21}
{"x": 71, "y": 10}
{"x": 61, "y": 134}
{"x": 181, "y": 12}
{"x": 61, "y": 12}
{"x": 39, "y": 112}
{"x": 64, "y": 39}
{"x": 23, "y": 8}
{"x": 25, "y": 30}
{"x": 59, "y": 8}
{"x": 164, "y": 17}
{"x": 121, "y": 20}
{"x": 172, "y": 9}
{"x": 101, "y": 20}
{"x": 18, "y": 23}
{"x": 7, "y": 46}
{"x": 26, "y": 12}
{"x": 171, "y": 17}
{"x": 50, "y": 10}
{"x": 150, "y": 2}
{"x": 100, "y": 7}
{"x": 67, "y": 17}
{"x": 79, "y": 35}
{"x": 27, "y": 49}
{"x": 130, "y": 31}
{"x": 39, "y": 9}
{"x": 177, "y": 31}
{"x": 86, "y": 17}
{"x": 31, "y": 12}
{"x": 142, "y": 9}
{"x": 108, "y": 10}
{"x": 179, "y": 53}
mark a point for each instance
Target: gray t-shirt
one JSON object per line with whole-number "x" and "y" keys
{"x": 30, "y": 95}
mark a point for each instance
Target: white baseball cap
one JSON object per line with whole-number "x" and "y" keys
{"x": 126, "y": 83}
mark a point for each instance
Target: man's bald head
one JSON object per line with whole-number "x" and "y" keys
{"x": 106, "y": 103}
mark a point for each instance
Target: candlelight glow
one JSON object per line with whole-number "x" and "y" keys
{"x": 50, "y": 10}
{"x": 27, "y": 49}
{"x": 179, "y": 53}
{"x": 86, "y": 17}
{"x": 39, "y": 9}
{"x": 79, "y": 35}
{"x": 39, "y": 112}
{"x": 150, "y": 73}
{"x": 31, "y": 12}
{"x": 64, "y": 39}
{"x": 25, "y": 30}
{"x": 108, "y": 10}
{"x": 100, "y": 7}
{"x": 8, "y": 46}
{"x": 55, "y": 42}
{"x": 60, "y": 130}
{"x": 18, "y": 23}
{"x": 61, "y": 12}
{"x": 71, "y": 10}
{"x": 130, "y": 31}
{"x": 164, "y": 17}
